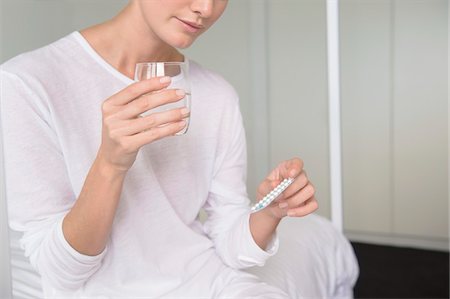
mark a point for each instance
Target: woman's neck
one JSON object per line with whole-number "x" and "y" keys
{"x": 124, "y": 41}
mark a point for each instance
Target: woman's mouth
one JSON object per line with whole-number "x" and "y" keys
{"x": 191, "y": 27}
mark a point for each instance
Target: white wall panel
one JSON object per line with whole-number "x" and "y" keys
{"x": 420, "y": 118}
{"x": 366, "y": 121}
{"x": 395, "y": 114}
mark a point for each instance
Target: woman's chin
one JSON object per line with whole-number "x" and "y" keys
{"x": 183, "y": 45}
{"x": 181, "y": 42}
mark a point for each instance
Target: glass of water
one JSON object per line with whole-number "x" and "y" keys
{"x": 179, "y": 72}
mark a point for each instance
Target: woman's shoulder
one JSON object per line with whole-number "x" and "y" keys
{"x": 41, "y": 62}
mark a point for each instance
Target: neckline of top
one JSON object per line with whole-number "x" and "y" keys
{"x": 99, "y": 59}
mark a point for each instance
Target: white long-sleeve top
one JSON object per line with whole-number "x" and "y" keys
{"x": 51, "y": 119}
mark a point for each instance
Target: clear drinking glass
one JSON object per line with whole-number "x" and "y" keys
{"x": 179, "y": 72}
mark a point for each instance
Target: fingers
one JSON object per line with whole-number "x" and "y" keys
{"x": 293, "y": 168}
{"x": 307, "y": 208}
{"x": 143, "y": 138}
{"x": 299, "y": 199}
{"x": 287, "y": 169}
{"x": 269, "y": 184}
{"x": 123, "y": 133}
{"x": 301, "y": 196}
{"x": 138, "y": 89}
{"x": 148, "y": 102}
{"x": 154, "y": 120}
{"x": 299, "y": 183}
{"x": 266, "y": 186}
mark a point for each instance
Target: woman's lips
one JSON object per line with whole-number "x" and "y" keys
{"x": 190, "y": 26}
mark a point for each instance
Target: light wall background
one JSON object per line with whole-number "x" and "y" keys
{"x": 395, "y": 116}
{"x": 394, "y": 63}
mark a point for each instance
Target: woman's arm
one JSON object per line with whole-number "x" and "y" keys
{"x": 297, "y": 200}
{"x": 88, "y": 224}
{"x": 58, "y": 225}
{"x": 263, "y": 228}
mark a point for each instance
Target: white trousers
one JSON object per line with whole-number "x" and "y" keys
{"x": 314, "y": 261}
{"x": 247, "y": 285}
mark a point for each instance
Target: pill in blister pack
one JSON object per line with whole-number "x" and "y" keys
{"x": 269, "y": 198}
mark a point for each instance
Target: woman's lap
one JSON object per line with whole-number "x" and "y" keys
{"x": 246, "y": 285}
{"x": 314, "y": 260}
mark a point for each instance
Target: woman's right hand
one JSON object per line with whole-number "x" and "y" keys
{"x": 124, "y": 132}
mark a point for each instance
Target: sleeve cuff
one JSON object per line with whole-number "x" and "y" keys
{"x": 252, "y": 253}
{"x": 77, "y": 256}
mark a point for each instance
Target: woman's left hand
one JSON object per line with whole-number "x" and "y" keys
{"x": 297, "y": 200}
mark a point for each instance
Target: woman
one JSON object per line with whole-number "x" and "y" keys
{"x": 108, "y": 201}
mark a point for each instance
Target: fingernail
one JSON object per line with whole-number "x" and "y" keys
{"x": 290, "y": 213}
{"x": 182, "y": 123}
{"x": 283, "y": 205}
{"x": 165, "y": 79}
{"x": 292, "y": 173}
{"x": 180, "y": 92}
{"x": 185, "y": 111}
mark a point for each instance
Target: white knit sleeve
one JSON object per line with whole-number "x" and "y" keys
{"x": 228, "y": 205}
{"x": 38, "y": 190}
